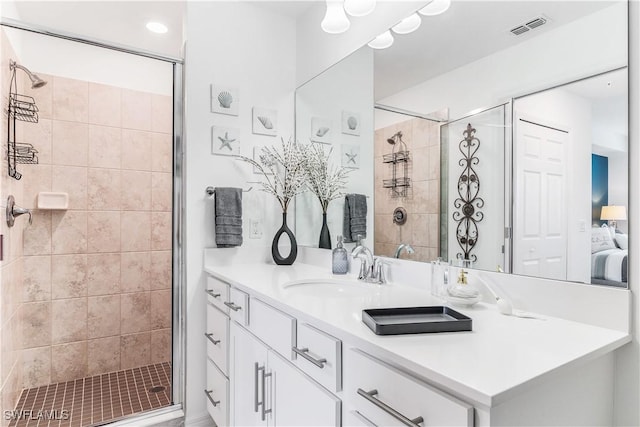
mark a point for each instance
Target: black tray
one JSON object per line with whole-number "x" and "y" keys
{"x": 415, "y": 320}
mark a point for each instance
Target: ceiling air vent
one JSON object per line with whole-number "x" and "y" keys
{"x": 530, "y": 25}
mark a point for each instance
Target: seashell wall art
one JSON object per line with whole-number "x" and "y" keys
{"x": 225, "y": 141}
{"x": 351, "y": 123}
{"x": 225, "y": 100}
{"x": 321, "y": 130}
{"x": 350, "y": 156}
{"x": 265, "y": 121}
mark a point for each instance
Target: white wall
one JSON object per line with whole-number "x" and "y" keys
{"x": 593, "y": 44}
{"x": 346, "y": 86}
{"x": 239, "y": 45}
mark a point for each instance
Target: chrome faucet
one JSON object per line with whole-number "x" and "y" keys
{"x": 371, "y": 269}
{"x": 404, "y": 246}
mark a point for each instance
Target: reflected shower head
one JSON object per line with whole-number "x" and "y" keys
{"x": 36, "y": 81}
{"x": 395, "y": 138}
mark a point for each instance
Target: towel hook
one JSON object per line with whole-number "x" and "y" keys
{"x": 211, "y": 191}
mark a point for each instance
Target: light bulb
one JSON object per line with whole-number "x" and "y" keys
{"x": 383, "y": 41}
{"x": 335, "y": 20}
{"x": 408, "y": 24}
{"x": 436, "y": 7}
{"x": 359, "y": 7}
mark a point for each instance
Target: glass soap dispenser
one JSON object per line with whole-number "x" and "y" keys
{"x": 339, "y": 259}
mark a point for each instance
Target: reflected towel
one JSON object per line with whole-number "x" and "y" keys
{"x": 228, "y": 220}
{"x": 355, "y": 217}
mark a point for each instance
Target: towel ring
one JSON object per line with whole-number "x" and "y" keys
{"x": 211, "y": 191}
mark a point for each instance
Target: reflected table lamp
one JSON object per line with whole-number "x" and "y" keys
{"x": 612, "y": 214}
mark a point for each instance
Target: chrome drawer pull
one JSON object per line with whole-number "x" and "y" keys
{"x": 304, "y": 352}
{"x": 213, "y": 294}
{"x": 256, "y": 401}
{"x": 213, "y": 402}
{"x": 210, "y": 338}
{"x": 369, "y": 395}
{"x": 264, "y": 411}
{"x": 233, "y": 306}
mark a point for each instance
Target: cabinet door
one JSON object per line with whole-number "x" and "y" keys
{"x": 248, "y": 380}
{"x": 297, "y": 400}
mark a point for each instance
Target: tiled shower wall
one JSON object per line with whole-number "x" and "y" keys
{"x": 422, "y": 202}
{"x": 11, "y": 266}
{"x": 97, "y": 277}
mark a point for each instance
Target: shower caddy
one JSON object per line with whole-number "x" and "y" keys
{"x": 398, "y": 184}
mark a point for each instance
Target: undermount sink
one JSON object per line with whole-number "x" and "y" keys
{"x": 329, "y": 287}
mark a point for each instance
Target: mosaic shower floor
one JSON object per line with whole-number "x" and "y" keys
{"x": 95, "y": 400}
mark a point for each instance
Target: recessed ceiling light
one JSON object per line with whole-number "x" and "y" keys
{"x": 436, "y": 7}
{"x": 157, "y": 27}
{"x": 383, "y": 41}
{"x": 408, "y": 24}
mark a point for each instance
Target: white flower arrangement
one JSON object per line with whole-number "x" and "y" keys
{"x": 283, "y": 169}
{"x": 324, "y": 180}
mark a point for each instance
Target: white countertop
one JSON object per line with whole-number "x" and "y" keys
{"x": 502, "y": 357}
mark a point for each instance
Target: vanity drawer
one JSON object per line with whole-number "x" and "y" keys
{"x": 320, "y": 356}
{"x": 238, "y": 304}
{"x": 376, "y": 391}
{"x": 217, "y": 335}
{"x": 274, "y": 327}
{"x": 217, "y": 293}
{"x": 217, "y": 395}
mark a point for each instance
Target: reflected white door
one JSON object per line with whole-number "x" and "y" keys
{"x": 540, "y": 223}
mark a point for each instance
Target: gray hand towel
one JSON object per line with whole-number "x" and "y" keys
{"x": 355, "y": 217}
{"x": 228, "y": 211}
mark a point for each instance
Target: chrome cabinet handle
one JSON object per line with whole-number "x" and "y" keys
{"x": 232, "y": 306}
{"x": 213, "y": 402}
{"x": 265, "y": 411}
{"x": 213, "y": 294}
{"x": 304, "y": 352}
{"x": 210, "y": 338}
{"x": 369, "y": 395}
{"x": 256, "y": 401}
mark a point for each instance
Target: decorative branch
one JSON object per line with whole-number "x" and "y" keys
{"x": 323, "y": 180}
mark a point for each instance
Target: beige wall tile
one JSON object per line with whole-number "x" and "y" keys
{"x": 136, "y": 110}
{"x": 137, "y": 148}
{"x": 36, "y": 366}
{"x": 135, "y": 272}
{"x": 39, "y": 135}
{"x": 104, "y": 316}
{"x": 104, "y": 355}
{"x": 43, "y": 96}
{"x": 105, "y": 147}
{"x": 161, "y": 113}
{"x": 69, "y": 232}
{"x": 35, "y": 178}
{"x": 69, "y": 320}
{"x": 161, "y": 191}
{"x": 68, "y": 361}
{"x": 104, "y": 189}
{"x": 420, "y": 162}
{"x": 160, "y": 309}
{"x": 103, "y": 274}
{"x": 37, "y": 236}
{"x": 135, "y": 231}
{"x": 70, "y": 100}
{"x": 422, "y": 230}
{"x": 12, "y": 388}
{"x": 161, "y": 268}
{"x": 105, "y": 231}
{"x": 71, "y": 180}
{"x": 105, "y": 105}
{"x": 135, "y": 312}
{"x": 68, "y": 276}
{"x": 161, "y": 231}
{"x": 161, "y": 346}
{"x": 36, "y": 328}
{"x": 161, "y": 152}
{"x": 37, "y": 278}
{"x": 135, "y": 350}
{"x": 434, "y": 163}
{"x": 70, "y": 143}
{"x": 421, "y": 132}
{"x": 426, "y": 196}
{"x": 136, "y": 191}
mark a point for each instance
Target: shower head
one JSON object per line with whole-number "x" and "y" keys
{"x": 36, "y": 81}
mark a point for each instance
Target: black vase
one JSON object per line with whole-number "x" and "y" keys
{"x": 275, "y": 252}
{"x": 325, "y": 237}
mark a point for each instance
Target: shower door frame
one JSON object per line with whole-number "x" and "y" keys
{"x": 178, "y": 300}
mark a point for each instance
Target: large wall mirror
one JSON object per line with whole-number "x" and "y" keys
{"x": 494, "y": 135}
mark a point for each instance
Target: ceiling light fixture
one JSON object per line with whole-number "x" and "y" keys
{"x": 383, "y": 41}
{"x": 157, "y": 27}
{"x": 359, "y": 7}
{"x": 335, "y": 20}
{"x": 436, "y": 7}
{"x": 408, "y": 24}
